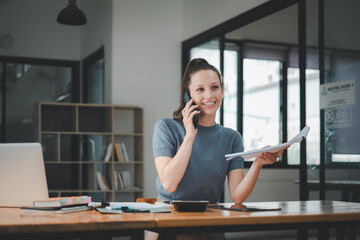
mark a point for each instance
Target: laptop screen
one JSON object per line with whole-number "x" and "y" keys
{"x": 22, "y": 174}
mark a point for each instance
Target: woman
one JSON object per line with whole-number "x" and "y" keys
{"x": 190, "y": 161}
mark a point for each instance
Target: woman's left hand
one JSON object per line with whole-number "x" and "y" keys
{"x": 268, "y": 157}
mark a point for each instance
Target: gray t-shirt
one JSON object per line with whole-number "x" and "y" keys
{"x": 207, "y": 168}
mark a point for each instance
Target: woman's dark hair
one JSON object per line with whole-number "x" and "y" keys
{"x": 195, "y": 65}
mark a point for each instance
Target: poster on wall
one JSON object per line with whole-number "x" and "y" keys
{"x": 337, "y": 94}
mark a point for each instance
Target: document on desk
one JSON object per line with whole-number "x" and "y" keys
{"x": 257, "y": 152}
{"x": 133, "y": 207}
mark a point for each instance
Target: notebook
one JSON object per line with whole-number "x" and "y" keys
{"x": 22, "y": 174}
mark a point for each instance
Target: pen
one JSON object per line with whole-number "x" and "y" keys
{"x": 118, "y": 208}
{"x": 126, "y": 209}
{"x": 99, "y": 204}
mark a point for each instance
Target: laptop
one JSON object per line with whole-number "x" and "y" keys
{"x": 22, "y": 174}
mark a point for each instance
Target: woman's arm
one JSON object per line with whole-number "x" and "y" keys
{"x": 240, "y": 186}
{"x": 172, "y": 170}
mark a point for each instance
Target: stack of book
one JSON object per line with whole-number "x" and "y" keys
{"x": 59, "y": 205}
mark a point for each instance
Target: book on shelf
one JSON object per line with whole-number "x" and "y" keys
{"x": 126, "y": 179}
{"x": 62, "y": 201}
{"x": 102, "y": 182}
{"x": 108, "y": 151}
{"x": 120, "y": 179}
{"x": 124, "y": 152}
{"x": 118, "y": 152}
{"x": 116, "y": 182}
{"x": 51, "y": 210}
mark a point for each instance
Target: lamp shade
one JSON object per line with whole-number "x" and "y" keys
{"x": 71, "y": 15}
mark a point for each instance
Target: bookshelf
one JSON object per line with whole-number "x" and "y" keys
{"x": 78, "y": 143}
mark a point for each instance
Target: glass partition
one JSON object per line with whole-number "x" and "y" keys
{"x": 340, "y": 100}
{"x": 297, "y": 66}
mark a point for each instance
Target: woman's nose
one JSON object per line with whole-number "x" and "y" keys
{"x": 207, "y": 94}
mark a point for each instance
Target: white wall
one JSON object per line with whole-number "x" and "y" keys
{"x": 201, "y": 15}
{"x": 146, "y": 64}
{"x": 272, "y": 28}
{"x": 36, "y": 33}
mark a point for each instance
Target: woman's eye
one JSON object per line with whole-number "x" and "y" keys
{"x": 215, "y": 87}
{"x": 200, "y": 89}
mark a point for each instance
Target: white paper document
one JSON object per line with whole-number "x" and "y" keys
{"x": 257, "y": 152}
{"x": 141, "y": 206}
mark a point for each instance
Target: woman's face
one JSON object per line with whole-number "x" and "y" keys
{"x": 205, "y": 89}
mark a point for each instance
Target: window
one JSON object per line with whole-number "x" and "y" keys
{"x": 94, "y": 77}
{"x": 261, "y": 101}
{"x": 230, "y": 89}
{"x": 312, "y": 115}
{"x": 27, "y": 81}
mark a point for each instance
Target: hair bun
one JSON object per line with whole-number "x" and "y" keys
{"x": 198, "y": 61}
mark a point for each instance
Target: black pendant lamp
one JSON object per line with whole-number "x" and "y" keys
{"x": 71, "y": 15}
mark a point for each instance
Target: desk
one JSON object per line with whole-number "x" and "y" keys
{"x": 298, "y": 215}
{"x": 16, "y": 224}
{"x": 350, "y": 189}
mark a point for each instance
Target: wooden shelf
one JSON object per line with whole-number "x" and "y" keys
{"x": 76, "y": 133}
{"x": 75, "y": 138}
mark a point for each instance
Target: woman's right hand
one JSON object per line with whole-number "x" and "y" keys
{"x": 188, "y": 114}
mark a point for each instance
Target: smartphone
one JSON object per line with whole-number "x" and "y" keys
{"x": 196, "y": 116}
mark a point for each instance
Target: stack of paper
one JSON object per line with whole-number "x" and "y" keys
{"x": 116, "y": 207}
{"x": 257, "y": 152}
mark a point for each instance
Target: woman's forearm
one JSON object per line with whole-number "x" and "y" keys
{"x": 172, "y": 173}
{"x": 242, "y": 186}
{"x": 245, "y": 187}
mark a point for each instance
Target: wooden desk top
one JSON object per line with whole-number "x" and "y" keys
{"x": 291, "y": 212}
{"x": 17, "y": 221}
